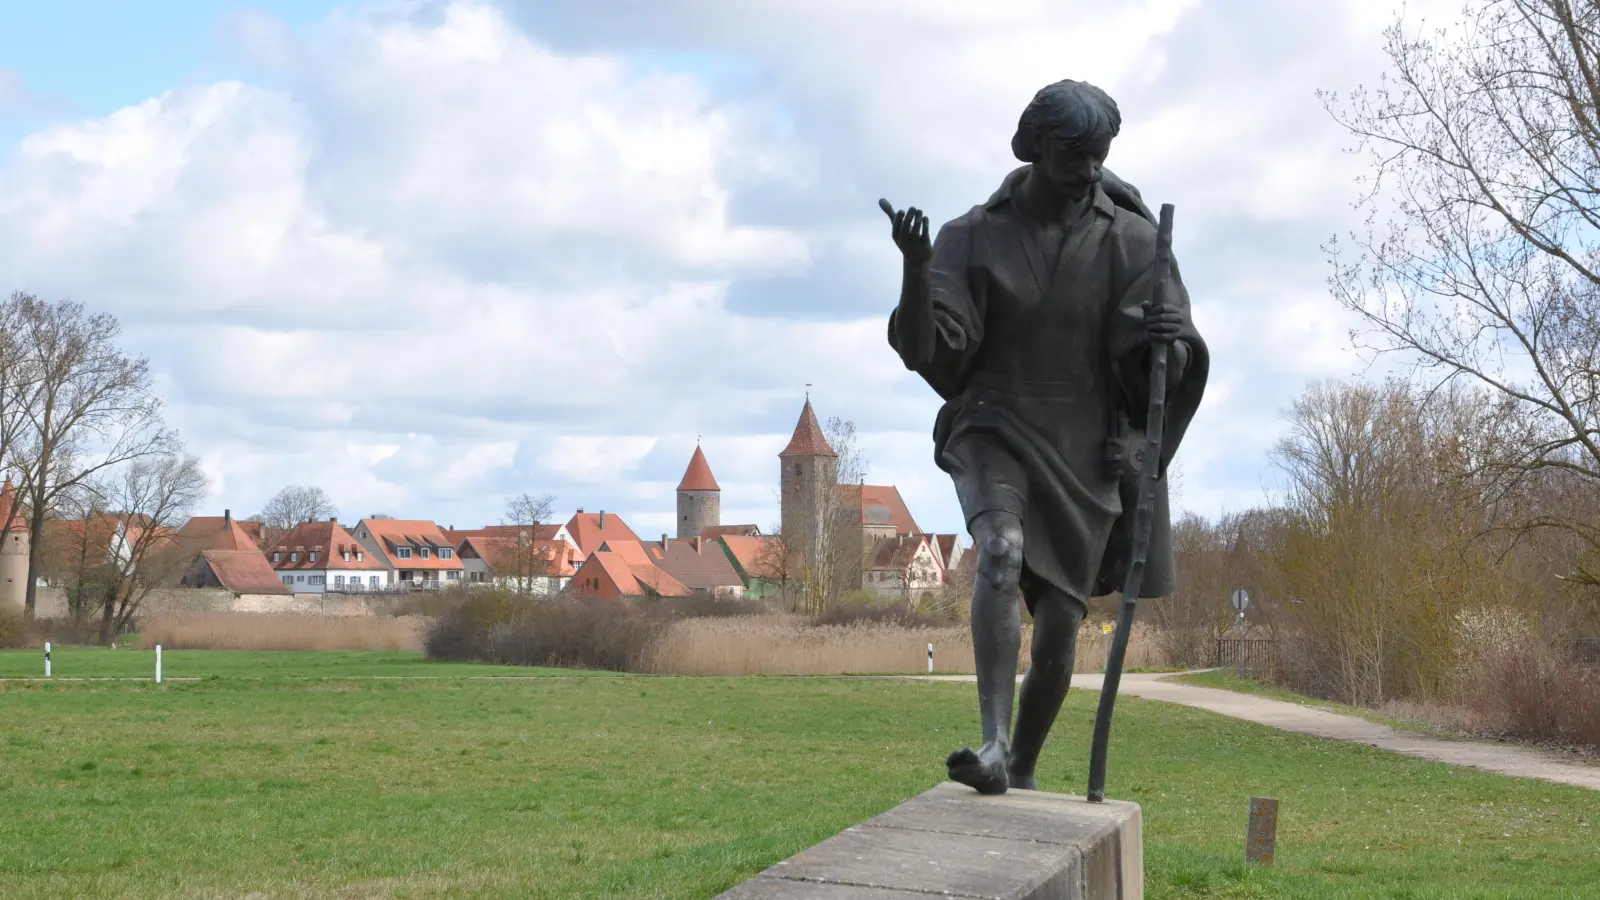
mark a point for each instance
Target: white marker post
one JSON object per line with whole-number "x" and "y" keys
{"x": 930, "y": 659}
{"x": 158, "y": 664}
{"x": 47, "y": 659}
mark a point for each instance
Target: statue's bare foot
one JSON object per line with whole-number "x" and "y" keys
{"x": 983, "y": 770}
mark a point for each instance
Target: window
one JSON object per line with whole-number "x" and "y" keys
{"x": 288, "y": 579}
{"x": 423, "y": 551}
{"x": 299, "y": 578}
{"x": 444, "y": 552}
{"x": 452, "y": 575}
{"x": 403, "y": 552}
{"x": 338, "y": 580}
{"x": 374, "y": 581}
{"x": 360, "y": 556}
{"x": 319, "y": 579}
{"x": 312, "y": 556}
{"x": 294, "y": 557}
{"x": 277, "y": 556}
{"x": 347, "y": 556}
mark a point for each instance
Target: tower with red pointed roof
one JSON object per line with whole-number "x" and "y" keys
{"x": 699, "y": 497}
{"x": 809, "y": 478}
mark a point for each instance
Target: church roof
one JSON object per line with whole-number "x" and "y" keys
{"x": 808, "y": 439}
{"x": 698, "y": 476}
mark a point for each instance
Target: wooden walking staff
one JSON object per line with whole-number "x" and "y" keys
{"x": 1139, "y": 551}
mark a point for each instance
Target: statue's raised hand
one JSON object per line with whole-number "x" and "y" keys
{"x": 910, "y": 232}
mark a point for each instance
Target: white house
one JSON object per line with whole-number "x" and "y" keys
{"x": 322, "y": 557}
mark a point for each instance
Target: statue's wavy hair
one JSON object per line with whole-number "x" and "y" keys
{"x": 1075, "y": 111}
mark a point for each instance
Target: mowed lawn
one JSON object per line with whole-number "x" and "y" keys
{"x": 297, "y": 775}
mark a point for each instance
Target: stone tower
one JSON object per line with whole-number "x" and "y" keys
{"x": 13, "y": 554}
{"x": 699, "y": 497}
{"x": 809, "y": 479}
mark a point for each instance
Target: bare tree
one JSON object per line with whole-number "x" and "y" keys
{"x": 1485, "y": 147}
{"x": 528, "y": 559}
{"x": 295, "y": 504}
{"x": 154, "y": 496}
{"x": 18, "y": 381}
{"x": 89, "y": 409}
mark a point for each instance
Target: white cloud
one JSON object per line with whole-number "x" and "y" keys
{"x": 451, "y": 253}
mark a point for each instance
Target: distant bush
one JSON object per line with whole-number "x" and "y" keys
{"x": 14, "y": 631}
{"x": 560, "y": 631}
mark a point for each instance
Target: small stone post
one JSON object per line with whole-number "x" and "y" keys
{"x": 1261, "y": 843}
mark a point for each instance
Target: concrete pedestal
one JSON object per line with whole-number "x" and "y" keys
{"x": 955, "y": 842}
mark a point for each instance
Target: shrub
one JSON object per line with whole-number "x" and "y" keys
{"x": 561, "y": 631}
{"x": 14, "y": 631}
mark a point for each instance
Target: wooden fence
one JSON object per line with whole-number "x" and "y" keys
{"x": 1259, "y": 655}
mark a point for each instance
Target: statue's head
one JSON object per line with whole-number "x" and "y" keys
{"x": 1066, "y": 134}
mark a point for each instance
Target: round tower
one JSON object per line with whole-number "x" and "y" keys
{"x": 809, "y": 478}
{"x": 699, "y": 498}
{"x": 13, "y": 554}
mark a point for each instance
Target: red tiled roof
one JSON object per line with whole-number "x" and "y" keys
{"x": 540, "y": 532}
{"x": 698, "y": 476}
{"x": 697, "y": 563}
{"x": 329, "y": 541}
{"x": 417, "y": 534}
{"x": 808, "y": 439}
{"x": 216, "y": 533}
{"x": 631, "y": 570}
{"x": 896, "y": 553}
{"x": 587, "y": 533}
{"x": 757, "y": 556}
{"x": 500, "y": 555}
{"x": 880, "y": 504}
{"x": 244, "y": 571}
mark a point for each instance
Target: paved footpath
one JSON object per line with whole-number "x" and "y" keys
{"x": 1502, "y": 758}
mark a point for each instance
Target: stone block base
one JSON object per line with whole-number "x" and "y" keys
{"x": 954, "y": 842}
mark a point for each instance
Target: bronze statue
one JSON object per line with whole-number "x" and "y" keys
{"x": 1032, "y": 316}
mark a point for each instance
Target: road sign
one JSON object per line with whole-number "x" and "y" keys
{"x": 1241, "y": 599}
{"x": 1107, "y": 628}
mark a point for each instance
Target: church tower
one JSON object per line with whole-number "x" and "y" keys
{"x": 699, "y": 498}
{"x": 13, "y": 554}
{"x": 809, "y": 480}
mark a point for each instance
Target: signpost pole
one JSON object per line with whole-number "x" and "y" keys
{"x": 1241, "y": 599}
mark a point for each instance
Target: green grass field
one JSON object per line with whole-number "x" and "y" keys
{"x": 291, "y": 775}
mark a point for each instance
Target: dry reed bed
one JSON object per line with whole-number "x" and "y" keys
{"x": 787, "y": 645}
{"x": 282, "y": 631}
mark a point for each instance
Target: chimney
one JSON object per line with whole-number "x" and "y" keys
{"x": 227, "y": 518}
{"x": 602, "y": 520}
{"x": 580, "y": 510}
{"x": 697, "y": 544}
{"x": 663, "y": 540}
{"x": 334, "y": 519}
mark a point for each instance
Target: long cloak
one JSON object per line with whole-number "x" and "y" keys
{"x": 1038, "y": 368}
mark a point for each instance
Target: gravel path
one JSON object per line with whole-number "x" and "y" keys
{"x": 1501, "y": 758}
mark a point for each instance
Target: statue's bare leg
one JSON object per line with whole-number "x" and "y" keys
{"x": 996, "y": 641}
{"x": 1056, "y": 618}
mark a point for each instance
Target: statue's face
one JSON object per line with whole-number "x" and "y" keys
{"x": 1072, "y": 169}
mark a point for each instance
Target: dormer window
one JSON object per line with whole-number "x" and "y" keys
{"x": 294, "y": 557}
{"x": 347, "y": 556}
{"x": 444, "y": 553}
{"x": 312, "y": 556}
{"x": 423, "y": 551}
{"x": 403, "y": 552}
{"x": 360, "y": 556}
{"x": 277, "y": 556}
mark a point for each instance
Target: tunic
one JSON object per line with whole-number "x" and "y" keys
{"x": 1037, "y": 368}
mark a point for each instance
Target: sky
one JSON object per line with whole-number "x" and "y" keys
{"x": 434, "y": 253}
